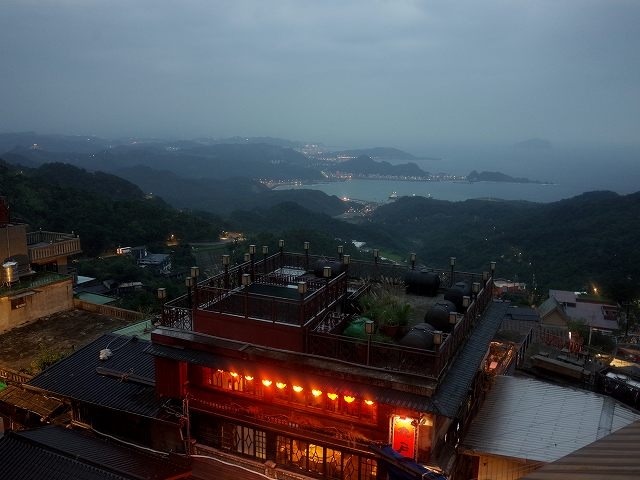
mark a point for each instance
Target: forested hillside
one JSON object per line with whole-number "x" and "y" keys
{"x": 103, "y": 209}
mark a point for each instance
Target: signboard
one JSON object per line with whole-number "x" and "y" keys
{"x": 404, "y": 436}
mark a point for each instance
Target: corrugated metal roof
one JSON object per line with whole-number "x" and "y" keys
{"x": 614, "y": 457}
{"x": 453, "y": 389}
{"x": 77, "y": 377}
{"x": 533, "y": 420}
{"x": 22, "y": 460}
{"x": 28, "y": 400}
{"x": 88, "y": 448}
{"x": 58, "y": 453}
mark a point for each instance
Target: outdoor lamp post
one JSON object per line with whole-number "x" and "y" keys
{"x": 281, "y": 247}
{"x": 252, "y": 257}
{"x": 369, "y": 326}
{"x": 437, "y": 339}
{"x": 225, "y": 262}
{"x": 466, "y": 300}
{"x": 452, "y": 263}
{"x": 413, "y": 261}
{"x": 302, "y": 291}
{"x": 195, "y": 273}
{"x": 346, "y": 259}
{"x": 188, "y": 281}
{"x": 161, "y": 294}
{"x": 246, "y": 281}
{"x": 475, "y": 289}
{"x": 376, "y": 254}
{"x": 340, "y": 251}
{"x": 493, "y": 268}
{"x": 485, "y": 277}
{"x": 265, "y": 251}
{"x": 453, "y": 319}
{"x": 326, "y": 273}
{"x": 493, "y": 278}
{"x": 306, "y": 255}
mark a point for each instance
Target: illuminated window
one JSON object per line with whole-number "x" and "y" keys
{"x": 369, "y": 468}
{"x": 316, "y": 459}
{"x": 244, "y": 440}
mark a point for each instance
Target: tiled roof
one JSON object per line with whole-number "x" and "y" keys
{"x": 452, "y": 390}
{"x": 536, "y": 421}
{"x": 53, "y": 452}
{"x": 126, "y": 381}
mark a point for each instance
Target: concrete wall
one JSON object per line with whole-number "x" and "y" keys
{"x": 13, "y": 241}
{"x": 46, "y": 300}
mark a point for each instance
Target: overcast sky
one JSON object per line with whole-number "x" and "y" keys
{"x": 354, "y": 73}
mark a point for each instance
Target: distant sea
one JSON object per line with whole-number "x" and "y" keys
{"x": 566, "y": 173}
{"x": 379, "y": 190}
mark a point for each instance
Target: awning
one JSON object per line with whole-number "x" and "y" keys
{"x": 403, "y": 468}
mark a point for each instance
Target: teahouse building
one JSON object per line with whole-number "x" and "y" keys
{"x": 258, "y": 358}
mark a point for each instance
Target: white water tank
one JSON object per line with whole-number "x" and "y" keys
{"x": 9, "y": 272}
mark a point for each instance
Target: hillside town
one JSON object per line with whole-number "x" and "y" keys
{"x": 294, "y": 365}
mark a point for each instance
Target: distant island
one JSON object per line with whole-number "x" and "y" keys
{"x": 475, "y": 176}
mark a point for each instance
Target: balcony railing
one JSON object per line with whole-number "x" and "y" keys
{"x": 224, "y": 293}
{"x": 46, "y": 246}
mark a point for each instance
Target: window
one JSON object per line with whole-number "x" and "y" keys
{"x": 245, "y": 440}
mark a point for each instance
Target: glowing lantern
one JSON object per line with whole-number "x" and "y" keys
{"x": 316, "y": 392}
{"x": 369, "y": 402}
{"x": 297, "y": 388}
{"x": 332, "y": 396}
{"x": 248, "y": 378}
{"x": 280, "y": 385}
{"x": 348, "y": 398}
{"x": 267, "y": 383}
{"x": 233, "y": 374}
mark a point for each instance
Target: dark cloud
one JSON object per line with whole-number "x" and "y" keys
{"x": 377, "y": 72}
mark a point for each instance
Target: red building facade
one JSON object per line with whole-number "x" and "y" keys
{"x": 258, "y": 357}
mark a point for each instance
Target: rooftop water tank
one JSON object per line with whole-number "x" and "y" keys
{"x": 438, "y": 315}
{"x": 9, "y": 272}
{"x": 421, "y": 282}
{"x": 420, "y": 336}
{"x": 456, "y": 293}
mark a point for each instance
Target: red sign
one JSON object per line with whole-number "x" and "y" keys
{"x": 404, "y": 436}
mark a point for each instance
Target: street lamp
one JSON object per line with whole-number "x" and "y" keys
{"x": 369, "y": 327}
{"x": 493, "y": 269}
{"x": 452, "y": 263}
{"x": 326, "y": 273}
{"x": 376, "y": 254}
{"x": 281, "y": 247}
{"x": 346, "y": 259}
{"x": 340, "y": 250}
{"x": 306, "y": 254}
{"x": 413, "y": 261}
